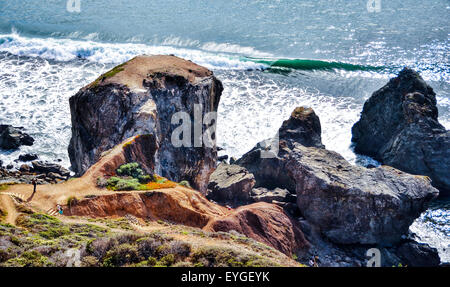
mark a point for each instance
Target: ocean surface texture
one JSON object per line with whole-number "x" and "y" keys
{"x": 271, "y": 56}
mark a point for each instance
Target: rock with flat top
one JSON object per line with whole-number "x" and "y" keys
{"x": 150, "y": 95}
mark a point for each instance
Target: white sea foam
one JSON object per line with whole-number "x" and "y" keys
{"x": 113, "y": 53}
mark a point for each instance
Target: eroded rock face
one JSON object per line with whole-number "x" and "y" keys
{"x": 140, "y": 97}
{"x": 13, "y": 137}
{"x": 399, "y": 127}
{"x": 349, "y": 204}
{"x": 230, "y": 184}
{"x": 266, "y": 223}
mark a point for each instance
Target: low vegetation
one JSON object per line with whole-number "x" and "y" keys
{"x": 41, "y": 240}
{"x": 131, "y": 177}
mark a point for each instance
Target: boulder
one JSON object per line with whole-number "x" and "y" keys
{"x": 150, "y": 95}
{"x": 13, "y": 137}
{"x": 46, "y": 167}
{"x": 28, "y": 157}
{"x": 352, "y": 204}
{"x": 399, "y": 127}
{"x": 303, "y": 126}
{"x": 230, "y": 184}
{"x": 349, "y": 204}
{"x": 415, "y": 254}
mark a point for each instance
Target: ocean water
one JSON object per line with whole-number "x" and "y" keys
{"x": 271, "y": 56}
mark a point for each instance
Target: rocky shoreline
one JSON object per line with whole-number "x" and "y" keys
{"x": 289, "y": 192}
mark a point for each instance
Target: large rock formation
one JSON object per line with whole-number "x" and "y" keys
{"x": 303, "y": 126}
{"x": 142, "y": 96}
{"x": 13, "y": 137}
{"x": 349, "y": 204}
{"x": 399, "y": 127}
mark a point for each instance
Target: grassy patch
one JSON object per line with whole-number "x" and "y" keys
{"x": 108, "y": 74}
{"x": 131, "y": 177}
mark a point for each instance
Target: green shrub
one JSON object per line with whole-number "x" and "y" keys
{"x": 167, "y": 260}
{"x": 90, "y": 261}
{"x": 120, "y": 255}
{"x": 130, "y": 169}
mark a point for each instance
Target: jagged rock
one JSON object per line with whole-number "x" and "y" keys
{"x": 222, "y": 158}
{"x": 349, "y": 204}
{"x": 28, "y": 157}
{"x": 141, "y": 97}
{"x": 46, "y": 167}
{"x": 13, "y": 137}
{"x": 303, "y": 126}
{"x": 418, "y": 255}
{"x": 399, "y": 127}
{"x": 352, "y": 204}
{"x": 230, "y": 184}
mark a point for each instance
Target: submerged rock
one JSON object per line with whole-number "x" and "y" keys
{"x": 399, "y": 127}
{"x": 349, "y": 204}
{"x": 230, "y": 184}
{"x": 13, "y": 137}
{"x": 142, "y": 96}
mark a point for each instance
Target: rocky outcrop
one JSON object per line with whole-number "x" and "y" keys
{"x": 142, "y": 96}
{"x": 303, "y": 126}
{"x": 266, "y": 223}
{"x": 230, "y": 184}
{"x": 356, "y": 205}
{"x": 46, "y": 168}
{"x": 13, "y": 137}
{"x": 349, "y": 204}
{"x": 399, "y": 127}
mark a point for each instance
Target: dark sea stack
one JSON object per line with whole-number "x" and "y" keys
{"x": 348, "y": 204}
{"x": 303, "y": 126}
{"x": 230, "y": 184}
{"x": 399, "y": 127}
{"x": 13, "y": 137}
{"x": 140, "y": 97}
